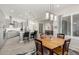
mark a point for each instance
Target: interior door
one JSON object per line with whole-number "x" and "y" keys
{"x": 40, "y": 28}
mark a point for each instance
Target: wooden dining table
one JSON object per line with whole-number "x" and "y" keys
{"x": 52, "y": 43}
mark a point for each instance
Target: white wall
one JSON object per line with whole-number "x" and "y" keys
{"x": 55, "y": 26}
{"x": 47, "y": 26}
{"x": 2, "y": 18}
{"x": 33, "y": 25}
{"x": 2, "y": 23}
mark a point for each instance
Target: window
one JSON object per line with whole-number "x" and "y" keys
{"x": 76, "y": 25}
{"x": 66, "y": 25}
{"x": 68, "y": 28}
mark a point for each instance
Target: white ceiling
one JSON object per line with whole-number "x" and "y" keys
{"x": 31, "y": 11}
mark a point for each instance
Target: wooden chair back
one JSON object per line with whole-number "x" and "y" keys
{"x": 26, "y": 34}
{"x": 60, "y": 35}
{"x": 66, "y": 45}
{"x": 39, "y": 48}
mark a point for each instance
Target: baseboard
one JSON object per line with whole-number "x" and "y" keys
{"x": 74, "y": 48}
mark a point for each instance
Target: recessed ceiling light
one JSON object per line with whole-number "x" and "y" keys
{"x": 12, "y": 11}
{"x": 57, "y": 5}
{"x": 74, "y": 23}
{"x": 7, "y": 17}
{"x": 20, "y": 15}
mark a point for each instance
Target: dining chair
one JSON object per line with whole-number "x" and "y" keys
{"x": 35, "y": 34}
{"x": 32, "y": 35}
{"x": 60, "y": 35}
{"x": 39, "y": 48}
{"x": 26, "y": 34}
{"x": 64, "y": 49}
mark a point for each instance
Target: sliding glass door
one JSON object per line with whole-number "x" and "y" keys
{"x": 66, "y": 25}
{"x": 76, "y": 25}
{"x": 70, "y": 25}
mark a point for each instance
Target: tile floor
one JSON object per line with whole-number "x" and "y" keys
{"x": 14, "y": 47}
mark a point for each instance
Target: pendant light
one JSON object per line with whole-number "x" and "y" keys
{"x": 50, "y": 15}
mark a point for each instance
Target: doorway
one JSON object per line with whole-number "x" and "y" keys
{"x": 40, "y": 28}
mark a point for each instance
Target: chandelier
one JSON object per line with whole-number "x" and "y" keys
{"x": 49, "y": 14}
